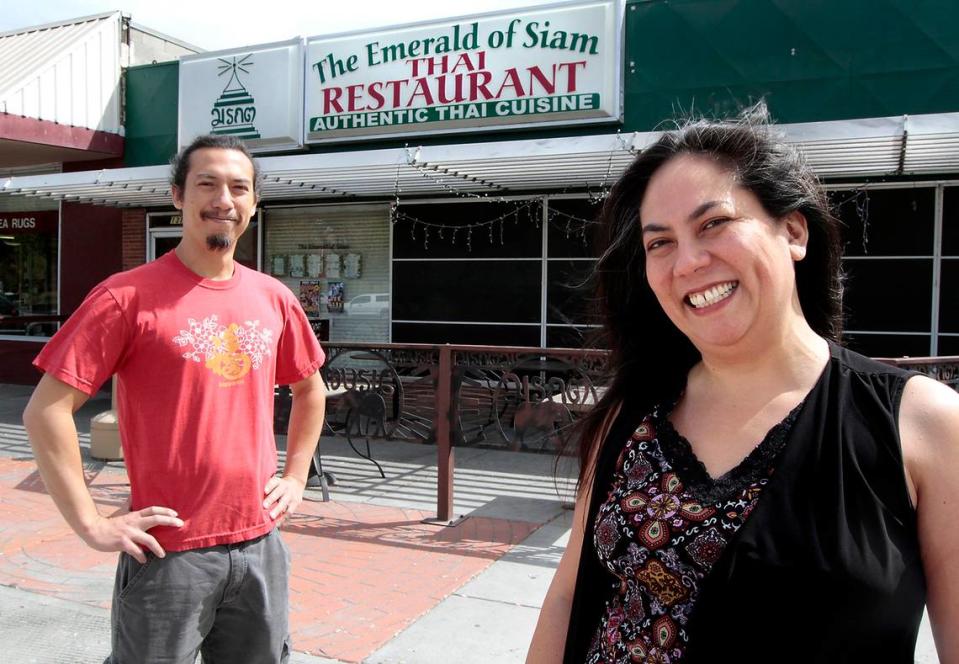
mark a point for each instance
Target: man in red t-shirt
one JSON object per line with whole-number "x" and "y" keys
{"x": 197, "y": 342}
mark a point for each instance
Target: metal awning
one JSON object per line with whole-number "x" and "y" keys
{"x": 873, "y": 147}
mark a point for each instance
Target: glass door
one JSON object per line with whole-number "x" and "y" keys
{"x": 162, "y": 240}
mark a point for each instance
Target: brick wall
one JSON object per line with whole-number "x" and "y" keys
{"x": 134, "y": 238}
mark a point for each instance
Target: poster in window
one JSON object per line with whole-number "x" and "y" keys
{"x": 314, "y": 266}
{"x": 311, "y": 292}
{"x": 351, "y": 266}
{"x": 333, "y": 265}
{"x": 334, "y": 297}
{"x": 297, "y": 268}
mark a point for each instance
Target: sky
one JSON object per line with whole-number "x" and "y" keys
{"x": 219, "y": 25}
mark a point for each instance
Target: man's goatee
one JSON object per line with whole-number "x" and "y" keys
{"x": 218, "y": 242}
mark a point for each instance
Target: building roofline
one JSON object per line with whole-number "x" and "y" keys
{"x": 166, "y": 37}
{"x": 59, "y": 24}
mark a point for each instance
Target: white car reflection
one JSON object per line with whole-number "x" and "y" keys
{"x": 369, "y": 304}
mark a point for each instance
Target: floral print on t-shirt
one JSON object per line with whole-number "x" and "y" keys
{"x": 229, "y": 351}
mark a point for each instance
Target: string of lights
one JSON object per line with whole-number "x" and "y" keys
{"x": 467, "y": 230}
{"x": 450, "y": 181}
{"x": 570, "y": 224}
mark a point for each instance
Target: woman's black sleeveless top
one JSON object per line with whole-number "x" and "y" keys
{"x": 827, "y": 568}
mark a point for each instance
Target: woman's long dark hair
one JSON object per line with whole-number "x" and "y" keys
{"x": 649, "y": 356}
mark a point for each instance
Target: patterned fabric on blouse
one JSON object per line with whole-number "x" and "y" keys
{"x": 662, "y": 527}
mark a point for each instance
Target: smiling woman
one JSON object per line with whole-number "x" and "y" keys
{"x": 720, "y": 266}
{"x": 743, "y": 465}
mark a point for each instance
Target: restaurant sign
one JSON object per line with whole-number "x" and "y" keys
{"x": 254, "y": 93}
{"x": 557, "y": 64}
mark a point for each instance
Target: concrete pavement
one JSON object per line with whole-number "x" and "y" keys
{"x": 371, "y": 582}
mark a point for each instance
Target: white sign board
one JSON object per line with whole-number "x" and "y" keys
{"x": 552, "y": 65}
{"x": 254, "y": 93}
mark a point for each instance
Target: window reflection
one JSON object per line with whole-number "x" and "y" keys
{"x": 28, "y": 273}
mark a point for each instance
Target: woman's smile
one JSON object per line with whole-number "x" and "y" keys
{"x": 709, "y": 297}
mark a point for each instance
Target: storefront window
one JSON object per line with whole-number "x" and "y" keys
{"x": 475, "y": 272}
{"x": 468, "y": 273}
{"x": 28, "y": 272}
{"x": 336, "y": 259}
{"x": 949, "y": 282}
{"x": 571, "y": 312}
{"x": 889, "y": 274}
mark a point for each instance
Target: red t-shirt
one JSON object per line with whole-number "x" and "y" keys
{"x": 196, "y": 362}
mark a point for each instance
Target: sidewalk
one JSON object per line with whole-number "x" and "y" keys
{"x": 370, "y": 583}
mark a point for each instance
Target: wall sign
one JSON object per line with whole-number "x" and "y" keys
{"x": 165, "y": 220}
{"x": 254, "y": 93}
{"x": 28, "y": 223}
{"x": 550, "y": 65}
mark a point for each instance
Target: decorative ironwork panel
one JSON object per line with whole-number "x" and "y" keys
{"x": 500, "y": 397}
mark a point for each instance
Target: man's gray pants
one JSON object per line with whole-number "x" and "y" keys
{"x": 228, "y": 603}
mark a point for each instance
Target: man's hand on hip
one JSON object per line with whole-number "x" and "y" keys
{"x": 127, "y": 532}
{"x": 284, "y": 495}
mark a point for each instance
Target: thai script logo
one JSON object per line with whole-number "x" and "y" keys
{"x": 234, "y": 112}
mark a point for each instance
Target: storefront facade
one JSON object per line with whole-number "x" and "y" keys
{"x": 436, "y": 182}
{"x": 61, "y": 106}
